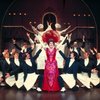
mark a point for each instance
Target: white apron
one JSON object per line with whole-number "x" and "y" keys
{"x": 59, "y": 58}
{"x": 84, "y": 79}
{"x": 69, "y": 80}
{"x": 11, "y": 80}
{"x": 94, "y": 79}
{"x": 19, "y": 83}
{"x": 41, "y": 60}
{"x": 30, "y": 81}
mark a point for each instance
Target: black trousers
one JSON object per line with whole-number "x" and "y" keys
{"x": 40, "y": 80}
{"x": 61, "y": 82}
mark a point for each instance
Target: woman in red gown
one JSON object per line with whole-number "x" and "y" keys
{"x": 51, "y": 73}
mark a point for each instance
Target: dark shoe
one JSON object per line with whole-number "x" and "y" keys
{"x": 97, "y": 86}
{"x": 75, "y": 88}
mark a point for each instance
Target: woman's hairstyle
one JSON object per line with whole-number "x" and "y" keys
{"x": 51, "y": 40}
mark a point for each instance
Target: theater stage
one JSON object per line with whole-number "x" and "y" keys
{"x": 82, "y": 94}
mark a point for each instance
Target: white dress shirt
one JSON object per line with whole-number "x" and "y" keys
{"x": 71, "y": 62}
{"x": 8, "y": 60}
{"x": 75, "y": 50}
{"x": 98, "y": 62}
{"x": 28, "y": 62}
{"x": 17, "y": 62}
{"x": 86, "y": 61}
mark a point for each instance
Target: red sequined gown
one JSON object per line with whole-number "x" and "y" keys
{"x": 51, "y": 73}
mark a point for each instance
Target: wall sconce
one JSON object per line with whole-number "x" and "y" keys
{"x": 79, "y": 15}
{"x": 24, "y": 14}
{"x": 34, "y": 22}
{"x": 68, "y": 23}
{"x": 74, "y": 14}
{"x": 84, "y": 15}
{"x": 89, "y": 15}
{"x": 9, "y": 14}
{"x": 20, "y": 13}
{"x": 14, "y": 14}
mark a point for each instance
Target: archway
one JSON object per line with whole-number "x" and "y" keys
{"x": 51, "y": 18}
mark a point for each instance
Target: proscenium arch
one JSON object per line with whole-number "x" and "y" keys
{"x": 3, "y": 21}
{"x": 97, "y": 44}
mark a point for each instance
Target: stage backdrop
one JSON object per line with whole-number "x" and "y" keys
{"x": 20, "y": 13}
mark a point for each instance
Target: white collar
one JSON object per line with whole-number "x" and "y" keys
{"x": 28, "y": 62}
{"x": 86, "y": 61}
{"x": 7, "y": 60}
{"x": 71, "y": 62}
{"x": 98, "y": 62}
{"x": 17, "y": 62}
